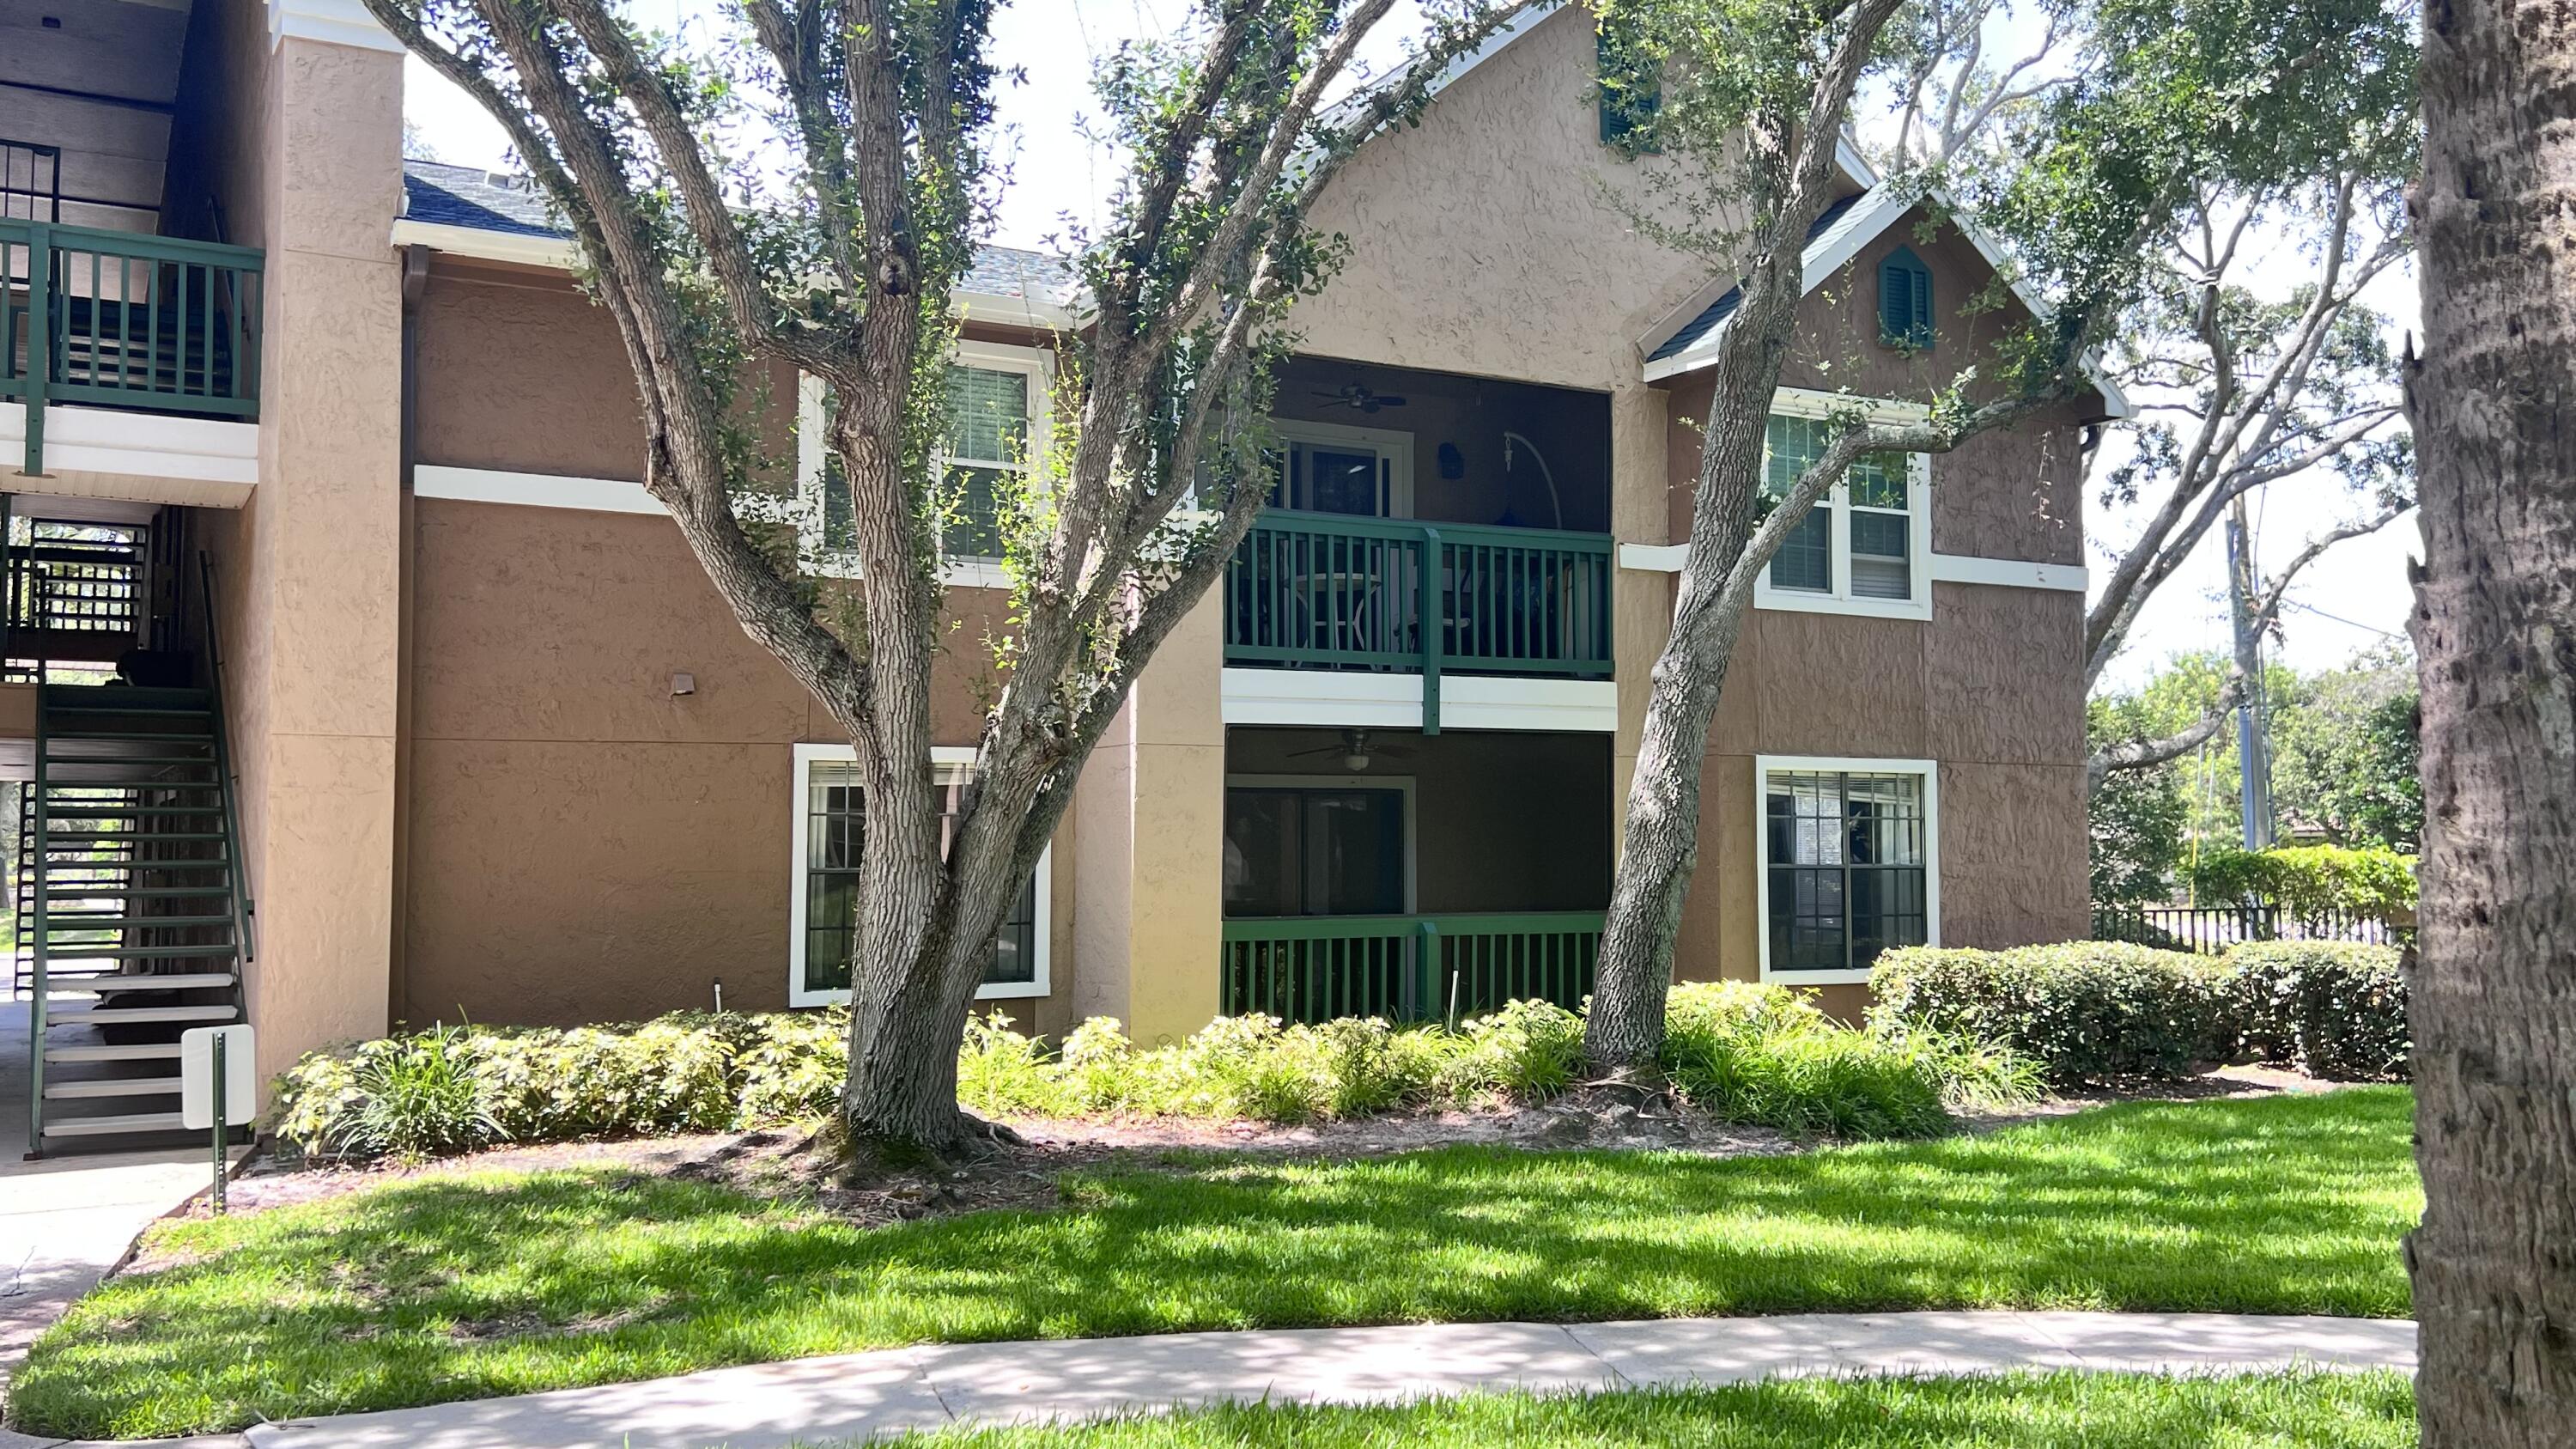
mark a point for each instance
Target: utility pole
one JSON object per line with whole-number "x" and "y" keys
{"x": 2253, "y": 758}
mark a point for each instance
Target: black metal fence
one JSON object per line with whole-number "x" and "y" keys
{"x": 2212, "y": 929}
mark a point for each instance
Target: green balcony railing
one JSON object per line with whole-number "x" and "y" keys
{"x": 116, "y": 319}
{"x": 1332, "y": 591}
{"x": 1406, "y": 968}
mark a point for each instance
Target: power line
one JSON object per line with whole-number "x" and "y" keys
{"x": 2339, "y": 619}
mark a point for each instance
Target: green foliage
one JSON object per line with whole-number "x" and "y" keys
{"x": 2310, "y": 882}
{"x": 2137, "y": 821}
{"x": 2097, "y": 1011}
{"x": 2345, "y": 757}
{"x": 2333, "y": 1009}
{"x": 1763, "y": 1054}
{"x": 1748, "y": 1054}
{"x": 2088, "y": 1011}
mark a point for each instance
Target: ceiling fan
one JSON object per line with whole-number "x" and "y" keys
{"x": 1355, "y": 750}
{"x": 1361, "y": 397}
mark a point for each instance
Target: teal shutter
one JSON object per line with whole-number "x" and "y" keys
{"x": 1904, "y": 300}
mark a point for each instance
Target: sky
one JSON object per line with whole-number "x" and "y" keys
{"x": 2353, "y": 598}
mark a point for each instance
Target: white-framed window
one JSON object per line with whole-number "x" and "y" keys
{"x": 1866, "y": 546}
{"x": 823, "y": 896}
{"x": 997, "y": 425}
{"x": 1847, "y": 863}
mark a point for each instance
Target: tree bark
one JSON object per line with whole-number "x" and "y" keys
{"x": 2494, "y": 994}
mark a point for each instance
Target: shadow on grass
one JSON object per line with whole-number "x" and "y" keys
{"x": 467, "y": 1287}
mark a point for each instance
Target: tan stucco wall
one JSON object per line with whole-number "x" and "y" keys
{"x": 1481, "y": 241}
{"x": 309, "y": 567}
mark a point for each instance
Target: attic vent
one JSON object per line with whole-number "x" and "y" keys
{"x": 1904, "y": 300}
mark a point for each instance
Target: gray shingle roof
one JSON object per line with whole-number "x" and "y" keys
{"x": 1724, "y": 307}
{"x": 471, "y": 197}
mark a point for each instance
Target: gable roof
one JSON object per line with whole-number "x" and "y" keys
{"x": 473, "y": 212}
{"x": 1837, "y": 237}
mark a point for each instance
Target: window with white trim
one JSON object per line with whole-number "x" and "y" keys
{"x": 831, "y": 819}
{"x": 1848, "y": 864}
{"x": 1864, "y": 548}
{"x": 996, "y": 427}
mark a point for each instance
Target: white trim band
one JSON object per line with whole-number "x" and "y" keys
{"x": 1947, "y": 568}
{"x": 538, "y": 490}
{"x": 1394, "y": 701}
{"x": 2011, "y": 573}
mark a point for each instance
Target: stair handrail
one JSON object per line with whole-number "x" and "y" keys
{"x": 36, "y": 1023}
{"x": 236, "y": 868}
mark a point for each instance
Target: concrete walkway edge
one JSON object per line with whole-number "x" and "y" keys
{"x": 862, "y": 1395}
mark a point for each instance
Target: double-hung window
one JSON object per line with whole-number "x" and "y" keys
{"x": 1865, "y": 547}
{"x": 1848, "y": 864}
{"x": 995, "y": 427}
{"x": 830, "y": 824}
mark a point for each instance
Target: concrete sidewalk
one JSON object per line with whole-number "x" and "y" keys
{"x": 66, "y": 1220}
{"x": 855, "y": 1396}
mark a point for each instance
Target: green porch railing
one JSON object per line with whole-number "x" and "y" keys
{"x": 117, "y": 319}
{"x": 1333, "y": 591}
{"x": 1405, "y": 968}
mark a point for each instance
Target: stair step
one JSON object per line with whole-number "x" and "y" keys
{"x": 137, "y": 1015}
{"x": 122, "y": 696}
{"x": 54, "y": 921}
{"x": 114, "y": 835}
{"x": 149, "y": 737}
{"x": 110, "y": 809}
{"x": 113, "y": 1126}
{"x": 112, "y": 1087}
{"x": 78, "y": 891}
{"x": 84, "y": 951}
{"x": 172, "y": 981}
{"x": 54, "y": 759}
{"x": 165, "y": 1051}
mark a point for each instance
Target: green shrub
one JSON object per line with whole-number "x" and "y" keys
{"x": 2333, "y": 1009}
{"x": 2311, "y": 882}
{"x": 1748, "y": 1053}
{"x": 2099, "y": 1011}
{"x": 2087, "y": 1011}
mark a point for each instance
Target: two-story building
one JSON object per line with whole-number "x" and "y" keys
{"x": 426, "y": 711}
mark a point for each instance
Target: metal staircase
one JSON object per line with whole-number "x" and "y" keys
{"x": 133, "y": 922}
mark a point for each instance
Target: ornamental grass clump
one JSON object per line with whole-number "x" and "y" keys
{"x": 1764, "y": 1055}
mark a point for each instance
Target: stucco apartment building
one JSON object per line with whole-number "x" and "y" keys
{"x": 426, "y": 711}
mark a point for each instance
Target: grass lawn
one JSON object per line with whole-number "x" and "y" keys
{"x": 455, "y": 1287}
{"x": 2096, "y": 1411}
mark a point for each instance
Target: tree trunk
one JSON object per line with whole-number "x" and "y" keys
{"x": 2494, "y": 996}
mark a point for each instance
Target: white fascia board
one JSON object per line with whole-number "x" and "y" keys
{"x": 142, "y": 445}
{"x": 557, "y": 253}
{"x": 337, "y": 22}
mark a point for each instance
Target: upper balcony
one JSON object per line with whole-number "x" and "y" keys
{"x": 1427, "y": 525}
{"x": 129, "y": 328}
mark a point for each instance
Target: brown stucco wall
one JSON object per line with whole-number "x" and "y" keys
{"x": 1991, "y": 687}
{"x": 581, "y": 844}
{"x": 1502, "y": 821}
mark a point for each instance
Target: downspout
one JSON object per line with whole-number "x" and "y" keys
{"x": 415, "y": 282}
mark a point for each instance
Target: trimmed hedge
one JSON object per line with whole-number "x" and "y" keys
{"x": 2311, "y": 882}
{"x": 2333, "y": 1009}
{"x": 1740, "y": 1052}
{"x": 2099, "y": 1011}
